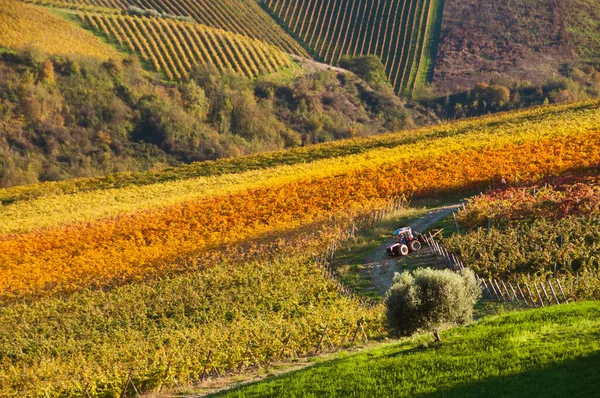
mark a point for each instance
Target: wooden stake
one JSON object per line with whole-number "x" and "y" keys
{"x": 506, "y": 290}
{"x": 85, "y": 391}
{"x": 545, "y": 294}
{"x": 321, "y": 339}
{"x": 562, "y": 291}
{"x": 494, "y": 289}
{"x": 514, "y": 292}
{"x": 500, "y": 290}
{"x": 127, "y": 383}
{"x": 530, "y": 295}
{"x": 539, "y": 294}
{"x": 358, "y": 325}
{"x": 206, "y": 365}
{"x": 487, "y": 289}
{"x": 165, "y": 375}
{"x": 244, "y": 357}
{"x": 553, "y": 292}
{"x": 522, "y": 295}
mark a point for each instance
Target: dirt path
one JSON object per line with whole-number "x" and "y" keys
{"x": 382, "y": 267}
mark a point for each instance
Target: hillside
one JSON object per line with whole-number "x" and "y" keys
{"x": 23, "y": 26}
{"x": 510, "y": 42}
{"x": 403, "y": 33}
{"x": 176, "y": 47}
{"x": 163, "y": 274}
{"x": 546, "y": 352}
{"x": 243, "y": 17}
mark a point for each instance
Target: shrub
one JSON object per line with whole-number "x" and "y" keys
{"x": 427, "y": 299}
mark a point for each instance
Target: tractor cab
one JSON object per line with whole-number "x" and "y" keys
{"x": 406, "y": 242}
{"x": 404, "y": 235}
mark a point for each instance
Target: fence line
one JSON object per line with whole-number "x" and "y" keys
{"x": 548, "y": 292}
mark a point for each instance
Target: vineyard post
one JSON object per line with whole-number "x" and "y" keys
{"x": 499, "y": 290}
{"x": 522, "y": 295}
{"x": 321, "y": 339}
{"x": 489, "y": 293}
{"x": 539, "y": 294}
{"x": 514, "y": 292}
{"x": 244, "y": 357}
{"x": 494, "y": 289}
{"x": 506, "y": 290}
{"x": 85, "y": 391}
{"x": 127, "y": 383}
{"x": 545, "y": 293}
{"x": 205, "y": 365}
{"x": 358, "y": 326}
{"x": 531, "y": 295}
{"x": 562, "y": 291}
{"x": 553, "y": 292}
{"x": 456, "y": 223}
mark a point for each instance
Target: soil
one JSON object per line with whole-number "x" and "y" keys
{"x": 382, "y": 267}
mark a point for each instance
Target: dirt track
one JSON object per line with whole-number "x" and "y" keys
{"x": 382, "y": 267}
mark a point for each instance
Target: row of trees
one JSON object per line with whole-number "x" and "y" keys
{"x": 65, "y": 117}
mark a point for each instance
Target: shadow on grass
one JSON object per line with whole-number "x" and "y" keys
{"x": 572, "y": 378}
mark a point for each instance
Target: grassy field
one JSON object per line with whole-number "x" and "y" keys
{"x": 554, "y": 352}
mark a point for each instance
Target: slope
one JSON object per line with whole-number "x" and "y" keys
{"x": 552, "y": 352}
{"x": 509, "y": 41}
{"x": 176, "y": 47}
{"x": 24, "y": 26}
{"x": 403, "y": 33}
{"x": 244, "y": 17}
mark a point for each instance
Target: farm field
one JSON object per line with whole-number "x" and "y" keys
{"x": 403, "y": 33}
{"x": 267, "y": 309}
{"x": 176, "y": 47}
{"x": 553, "y": 351}
{"x": 294, "y": 156}
{"x": 25, "y": 26}
{"x": 546, "y": 230}
{"x": 159, "y": 275}
{"x": 244, "y": 17}
{"x": 130, "y": 238}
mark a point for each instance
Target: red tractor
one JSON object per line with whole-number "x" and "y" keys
{"x": 407, "y": 242}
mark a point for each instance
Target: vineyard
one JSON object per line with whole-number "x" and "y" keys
{"x": 549, "y": 230}
{"x": 24, "y": 26}
{"x": 243, "y": 17}
{"x": 403, "y": 33}
{"x": 142, "y": 231}
{"x": 214, "y": 265}
{"x": 175, "y": 47}
{"x": 541, "y": 116}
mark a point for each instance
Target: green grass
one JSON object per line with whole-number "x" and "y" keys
{"x": 551, "y": 352}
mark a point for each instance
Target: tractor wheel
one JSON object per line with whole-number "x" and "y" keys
{"x": 403, "y": 249}
{"x": 415, "y": 245}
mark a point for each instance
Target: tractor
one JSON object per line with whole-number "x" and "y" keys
{"x": 407, "y": 242}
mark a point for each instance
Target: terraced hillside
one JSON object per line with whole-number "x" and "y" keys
{"x": 403, "y": 33}
{"x": 175, "y": 47}
{"x": 23, "y": 26}
{"x": 244, "y": 17}
{"x": 198, "y": 264}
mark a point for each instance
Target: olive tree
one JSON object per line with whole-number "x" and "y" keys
{"x": 427, "y": 299}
